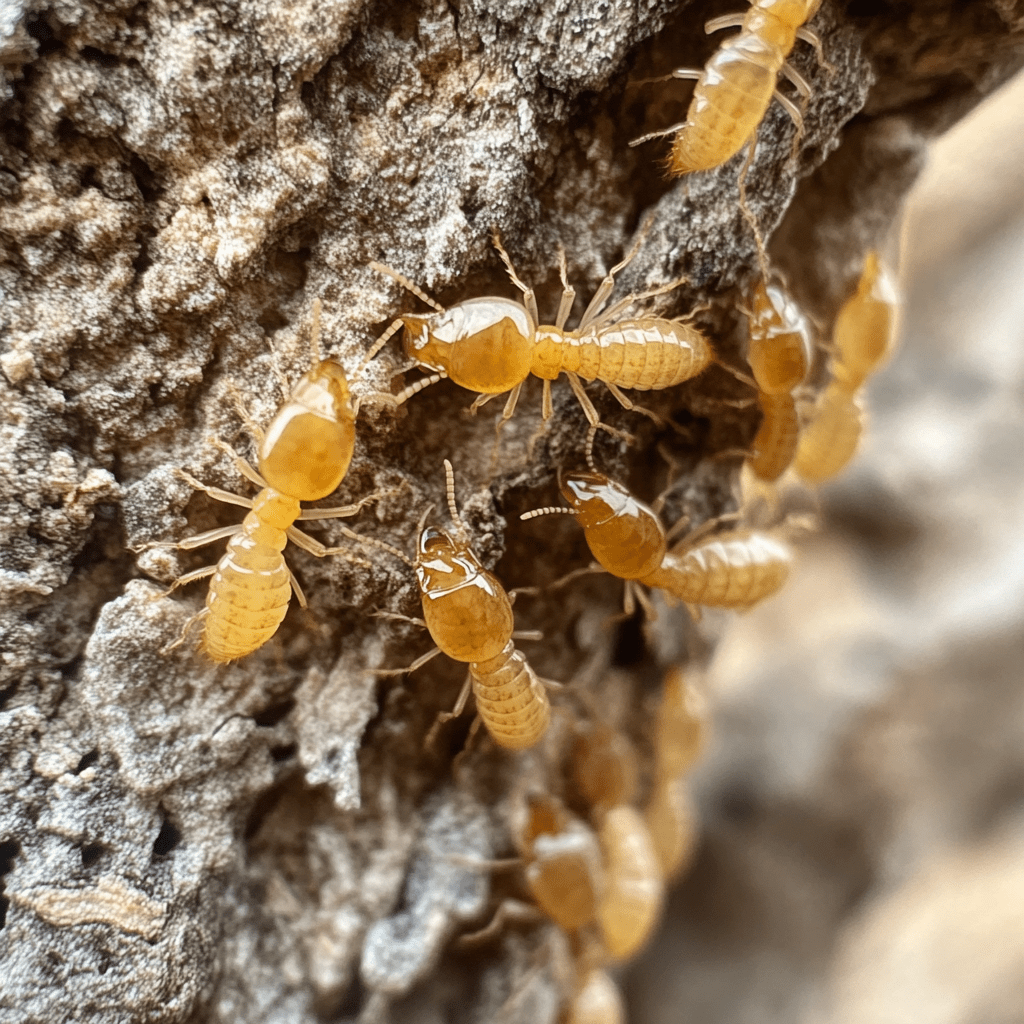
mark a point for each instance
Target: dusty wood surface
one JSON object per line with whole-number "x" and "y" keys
{"x": 269, "y": 841}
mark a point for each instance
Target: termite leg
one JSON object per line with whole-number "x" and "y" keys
{"x": 398, "y": 617}
{"x": 418, "y": 663}
{"x": 792, "y": 109}
{"x": 243, "y": 467}
{"x": 508, "y": 911}
{"x": 238, "y": 401}
{"x": 808, "y": 35}
{"x": 297, "y": 590}
{"x": 318, "y": 550}
{"x": 189, "y": 623}
{"x": 189, "y": 577}
{"x": 447, "y": 716}
{"x": 606, "y": 286}
{"x": 480, "y": 401}
{"x": 627, "y": 403}
{"x": 650, "y": 612}
{"x": 529, "y": 299}
{"x": 547, "y": 409}
{"x": 568, "y": 292}
{"x": 216, "y": 493}
{"x": 589, "y": 411}
{"x": 748, "y": 214}
{"x": 725, "y": 21}
{"x": 339, "y": 511}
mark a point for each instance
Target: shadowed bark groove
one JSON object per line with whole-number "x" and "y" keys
{"x": 268, "y": 840}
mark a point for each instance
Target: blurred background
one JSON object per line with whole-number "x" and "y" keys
{"x": 863, "y": 794}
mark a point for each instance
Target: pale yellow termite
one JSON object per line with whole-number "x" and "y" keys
{"x": 604, "y": 766}
{"x": 733, "y": 569}
{"x": 829, "y": 440}
{"x": 866, "y": 325}
{"x": 491, "y": 345}
{"x": 562, "y": 863}
{"x": 303, "y": 456}
{"x": 736, "y": 87}
{"x": 777, "y": 437}
{"x": 779, "y": 347}
{"x": 680, "y": 726}
{"x": 634, "y": 888}
{"x": 469, "y": 616}
{"x": 597, "y": 1000}
{"x": 672, "y": 823}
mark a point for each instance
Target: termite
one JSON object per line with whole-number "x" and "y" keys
{"x": 604, "y": 766}
{"x": 777, "y": 437}
{"x": 469, "y": 616}
{"x": 491, "y": 345}
{"x": 734, "y": 569}
{"x": 634, "y": 888}
{"x": 779, "y": 347}
{"x": 672, "y": 823}
{"x": 680, "y": 726}
{"x": 562, "y": 859}
{"x": 597, "y": 1000}
{"x": 303, "y": 456}
{"x": 866, "y": 325}
{"x": 736, "y": 87}
{"x": 829, "y": 441}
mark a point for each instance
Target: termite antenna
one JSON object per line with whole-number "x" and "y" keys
{"x": 453, "y": 509}
{"x": 378, "y": 345}
{"x": 550, "y": 510}
{"x": 591, "y": 437}
{"x": 374, "y": 542}
{"x": 408, "y": 285}
{"x": 423, "y": 518}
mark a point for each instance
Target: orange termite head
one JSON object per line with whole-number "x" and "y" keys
{"x": 623, "y": 534}
{"x": 483, "y": 344}
{"x": 593, "y": 497}
{"x": 308, "y": 446}
{"x": 466, "y": 609}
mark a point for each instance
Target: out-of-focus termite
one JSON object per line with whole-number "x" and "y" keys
{"x": 866, "y": 325}
{"x": 634, "y": 888}
{"x": 604, "y": 766}
{"x": 597, "y": 1000}
{"x": 303, "y": 456}
{"x": 491, "y": 345}
{"x": 469, "y": 616}
{"x": 829, "y": 440}
{"x": 736, "y": 87}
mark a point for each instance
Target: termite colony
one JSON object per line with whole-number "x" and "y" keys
{"x": 598, "y": 844}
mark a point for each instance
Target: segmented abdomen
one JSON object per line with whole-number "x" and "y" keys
{"x": 732, "y": 570}
{"x": 645, "y": 354}
{"x": 830, "y": 440}
{"x": 729, "y": 102}
{"x": 777, "y": 437}
{"x": 249, "y": 592}
{"x": 510, "y": 699}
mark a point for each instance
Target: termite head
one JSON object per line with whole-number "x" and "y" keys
{"x": 484, "y": 345}
{"x": 623, "y": 534}
{"x": 308, "y": 447}
{"x": 466, "y": 609}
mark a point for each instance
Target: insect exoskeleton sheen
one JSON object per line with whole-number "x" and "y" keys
{"x": 736, "y": 86}
{"x": 779, "y": 347}
{"x": 623, "y": 533}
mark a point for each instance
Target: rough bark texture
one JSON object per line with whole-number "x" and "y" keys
{"x": 269, "y": 841}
